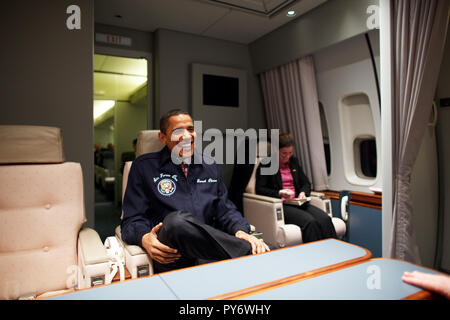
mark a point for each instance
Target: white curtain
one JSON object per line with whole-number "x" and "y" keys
{"x": 419, "y": 32}
{"x": 292, "y": 105}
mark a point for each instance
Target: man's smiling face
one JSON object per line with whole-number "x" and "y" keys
{"x": 180, "y": 134}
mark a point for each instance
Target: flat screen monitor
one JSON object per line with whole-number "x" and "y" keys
{"x": 220, "y": 91}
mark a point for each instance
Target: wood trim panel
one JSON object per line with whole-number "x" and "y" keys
{"x": 331, "y": 194}
{"x": 423, "y": 295}
{"x": 367, "y": 200}
{"x": 366, "y": 197}
{"x": 117, "y": 276}
{"x": 362, "y": 199}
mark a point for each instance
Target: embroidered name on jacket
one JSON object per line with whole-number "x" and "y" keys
{"x": 210, "y": 180}
{"x": 165, "y": 175}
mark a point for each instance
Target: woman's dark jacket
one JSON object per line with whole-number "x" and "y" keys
{"x": 270, "y": 185}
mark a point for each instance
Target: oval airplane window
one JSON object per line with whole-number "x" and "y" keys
{"x": 358, "y": 139}
{"x": 365, "y": 155}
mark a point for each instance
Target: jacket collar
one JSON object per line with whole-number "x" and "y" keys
{"x": 166, "y": 158}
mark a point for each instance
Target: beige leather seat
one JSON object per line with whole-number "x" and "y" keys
{"x": 137, "y": 261}
{"x": 266, "y": 213}
{"x": 41, "y": 213}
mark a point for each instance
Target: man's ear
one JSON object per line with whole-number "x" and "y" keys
{"x": 162, "y": 137}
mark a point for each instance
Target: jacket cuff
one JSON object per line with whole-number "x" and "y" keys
{"x": 245, "y": 228}
{"x": 140, "y": 232}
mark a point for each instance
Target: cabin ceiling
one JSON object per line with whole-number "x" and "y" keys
{"x": 241, "y": 21}
{"x": 116, "y": 78}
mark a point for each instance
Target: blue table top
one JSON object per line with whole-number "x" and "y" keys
{"x": 211, "y": 280}
{"x": 149, "y": 288}
{"x": 376, "y": 279}
{"x": 215, "y": 279}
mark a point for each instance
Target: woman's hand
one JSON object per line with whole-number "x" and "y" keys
{"x": 258, "y": 245}
{"x": 302, "y": 195}
{"x": 286, "y": 193}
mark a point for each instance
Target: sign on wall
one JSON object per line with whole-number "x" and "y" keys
{"x": 113, "y": 39}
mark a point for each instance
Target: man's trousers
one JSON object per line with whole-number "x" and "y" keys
{"x": 197, "y": 242}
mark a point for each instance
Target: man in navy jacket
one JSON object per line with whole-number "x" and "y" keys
{"x": 180, "y": 213}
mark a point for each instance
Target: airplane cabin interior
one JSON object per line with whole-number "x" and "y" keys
{"x": 362, "y": 85}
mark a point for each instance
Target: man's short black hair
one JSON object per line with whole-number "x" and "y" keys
{"x": 164, "y": 121}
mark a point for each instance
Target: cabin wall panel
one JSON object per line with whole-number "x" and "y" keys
{"x": 444, "y": 176}
{"x": 364, "y": 228}
{"x": 443, "y": 134}
{"x": 329, "y": 24}
{"x": 345, "y": 69}
{"x": 174, "y": 54}
{"x": 129, "y": 119}
{"x": 46, "y": 76}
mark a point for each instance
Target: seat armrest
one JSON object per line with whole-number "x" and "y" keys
{"x": 323, "y": 204}
{"x": 261, "y": 198}
{"x": 266, "y": 214}
{"x": 137, "y": 261}
{"x": 92, "y": 247}
{"x": 289, "y": 235}
{"x": 317, "y": 202}
{"x": 339, "y": 226}
{"x": 93, "y": 260}
{"x": 317, "y": 194}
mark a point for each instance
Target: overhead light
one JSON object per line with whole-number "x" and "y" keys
{"x": 101, "y": 106}
{"x": 291, "y": 13}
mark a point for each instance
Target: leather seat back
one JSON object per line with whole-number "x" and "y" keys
{"x": 41, "y": 211}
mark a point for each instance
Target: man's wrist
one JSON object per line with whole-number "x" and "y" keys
{"x": 237, "y": 233}
{"x": 143, "y": 239}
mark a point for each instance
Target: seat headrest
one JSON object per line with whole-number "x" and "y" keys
{"x": 263, "y": 149}
{"x": 147, "y": 142}
{"x": 30, "y": 144}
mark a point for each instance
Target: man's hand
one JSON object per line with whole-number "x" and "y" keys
{"x": 258, "y": 245}
{"x": 158, "y": 251}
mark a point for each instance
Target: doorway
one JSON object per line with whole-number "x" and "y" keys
{"x": 120, "y": 112}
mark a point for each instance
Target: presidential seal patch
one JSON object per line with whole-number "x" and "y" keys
{"x": 166, "y": 187}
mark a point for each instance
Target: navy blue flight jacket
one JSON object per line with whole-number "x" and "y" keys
{"x": 156, "y": 186}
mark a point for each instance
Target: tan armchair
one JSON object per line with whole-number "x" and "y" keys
{"x": 41, "y": 213}
{"x": 137, "y": 261}
{"x": 266, "y": 214}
